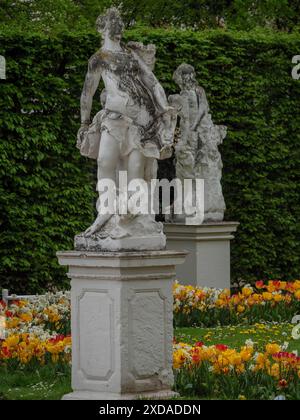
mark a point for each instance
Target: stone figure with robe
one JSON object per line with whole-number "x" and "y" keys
{"x": 197, "y": 153}
{"x": 134, "y": 128}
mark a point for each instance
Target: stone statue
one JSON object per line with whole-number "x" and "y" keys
{"x": 134, "y": 128}
{"x": 197, "y": 154}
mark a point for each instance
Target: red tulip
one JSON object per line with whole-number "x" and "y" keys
{"x": 259, "y": 284}
{"x": 221, "y": 347}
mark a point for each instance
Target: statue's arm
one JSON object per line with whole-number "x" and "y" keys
{"x": 203, "y": 108}
{"x": 180, "y": 103}
{"x": 91, "y": 84}
{"x": 184, "y": 120}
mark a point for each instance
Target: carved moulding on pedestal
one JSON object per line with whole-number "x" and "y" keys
{"x": 122, "y": 323}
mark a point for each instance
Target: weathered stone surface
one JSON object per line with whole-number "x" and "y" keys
{"x": 208, "y": 245}
{"x": 197, "y": 153}
{"x": 140, "y": 233}
{"x": 122, "y": 323}
{"x": 134, "y": 128}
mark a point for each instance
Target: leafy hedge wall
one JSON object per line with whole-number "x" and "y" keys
{"x": 47, "y": 189}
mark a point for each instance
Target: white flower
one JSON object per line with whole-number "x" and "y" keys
{"x": 68, "y": 349}
{"x": 285, "y": 345}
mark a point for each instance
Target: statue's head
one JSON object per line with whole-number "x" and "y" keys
{"x": 111, "y": 24}
{"x": 185, "y": 76}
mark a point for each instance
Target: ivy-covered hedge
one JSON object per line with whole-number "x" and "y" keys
{"x": 47, "y": 190}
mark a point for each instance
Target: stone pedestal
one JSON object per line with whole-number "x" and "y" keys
{"x": 208, "y": 245}
{"x": 122, "y": 323}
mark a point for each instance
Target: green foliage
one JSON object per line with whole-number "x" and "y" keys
{"x": 39, "y": 15}
{"x": 61, "y": 15}
{"x": 47, "y": 189}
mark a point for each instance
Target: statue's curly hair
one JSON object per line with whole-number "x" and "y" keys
{"x": 102, "y": 20}
{"x": 182, "y": 69}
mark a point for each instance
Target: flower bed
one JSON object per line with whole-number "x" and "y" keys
{"x": 221, "y": 372}
{"x": 276, "y": 301}
{"x": 36, "y": 332}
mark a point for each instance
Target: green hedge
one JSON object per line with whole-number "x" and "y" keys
{"x": 47, "y": 189}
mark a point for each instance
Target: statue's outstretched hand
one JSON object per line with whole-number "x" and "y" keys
{"x": 80, "y": 135}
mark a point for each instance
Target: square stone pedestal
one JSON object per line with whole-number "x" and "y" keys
{"x": 122, "y": 323}
{"x": 208, "y": 246}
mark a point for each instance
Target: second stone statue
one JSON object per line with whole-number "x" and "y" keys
{"x": 197, "y": 154}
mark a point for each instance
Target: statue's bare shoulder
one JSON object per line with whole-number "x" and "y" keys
{"x": 201, "y": 90}
{"x": 98, "y": 61}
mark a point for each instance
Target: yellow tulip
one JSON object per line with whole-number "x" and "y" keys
{"x": 278, "y": 297}
{"x": 273, "y": 348}
{"x": 12, "y": 323}
{"x": 275, "y": 370}
{"x": 240, "y": 368}
{"x": 12, "y": 341}
{"x": 179, "y": 358}
{"x": 247, "y": 291}
{"x": 246, "y": 354}
{"x": 240, "y": 309}
{"x": 267, "y": 296}
{"x": 26, "y": 317}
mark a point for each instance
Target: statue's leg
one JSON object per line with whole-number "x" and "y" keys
{"x": 151, "y": 167}
{"x": 135, "y": 171}
{"x": 136, "y": 165}
{"x": 108, "y": 158}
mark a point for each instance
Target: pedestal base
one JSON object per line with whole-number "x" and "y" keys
{"x": 122, "y": 323}
{"x": 141, "y": 243}
{"x": 208, "y": 261}
{"x": 119, "y": 234}
{"x": 98, "y": 396}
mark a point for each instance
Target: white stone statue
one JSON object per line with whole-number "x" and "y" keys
{"x": 134, "y": 128}
{"x": 197, "y": 154}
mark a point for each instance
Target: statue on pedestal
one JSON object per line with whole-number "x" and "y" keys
{"x": 134, "y": 128}
{"x": 197, "y": 154}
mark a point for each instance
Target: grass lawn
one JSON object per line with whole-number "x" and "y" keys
{"x": 235, "y": 336}
{"x": 48, "y": 383}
